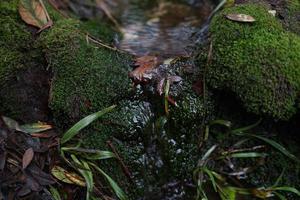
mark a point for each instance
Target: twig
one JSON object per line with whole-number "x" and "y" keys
{"x": 209, "y": 57}
{"x": 97, "y": 41}
{"x": 124, "y": 167}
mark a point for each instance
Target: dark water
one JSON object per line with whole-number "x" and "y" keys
{"x": 162, "y": 27}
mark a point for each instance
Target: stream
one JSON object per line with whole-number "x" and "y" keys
{"x": 161, "y": 27}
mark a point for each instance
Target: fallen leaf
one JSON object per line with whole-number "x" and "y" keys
{"x": 11, "y": 124}
{"x": 240, "y": 18}
{"x": 35, "y": 127}
{"x": 32, "y": 183}
{"x": 67, "y": 177}
{"x": 33, "y": 12}
{"x": 40, "y": 176}
{"x": 27, "y": 157}
{"x": 144, "y": 64}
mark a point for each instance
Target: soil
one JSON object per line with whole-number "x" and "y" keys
{"x": 30, "y": 90}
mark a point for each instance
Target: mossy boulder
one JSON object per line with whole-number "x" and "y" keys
{"x": 259, "y": 62}
{"x": 86, "y": 77}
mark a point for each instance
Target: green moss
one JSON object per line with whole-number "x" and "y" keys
{"x": 87, "y": 78}
{"x": 99, "y": 29}
{"x": 293, "y": 9}
{"x": 259, "y": 62}
{"x": 15, "y": 41}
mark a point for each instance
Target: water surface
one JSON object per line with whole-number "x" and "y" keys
{"x": 162, "y": 28}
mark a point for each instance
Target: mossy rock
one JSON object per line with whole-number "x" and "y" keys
{"x": 259, "y": 62}
{"x": 23, "y": 79}
{"x": 86, "y": 77}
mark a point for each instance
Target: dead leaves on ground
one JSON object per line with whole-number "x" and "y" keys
{"x": 27, "y": 157}
{"x": 240, "y": 18}
{"x": 34, "y": 13}
{"x": 67, "y": 177}
{"x": 144, "y": 65}
{"x": 24, "y": 160}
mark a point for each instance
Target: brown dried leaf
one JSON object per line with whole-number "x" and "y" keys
{"x": 240, "y": 18}
{"x": 145, "y": 64}
{"x": 27, "y": 157}
{"x": 33, "y": 12}
{"x": 67, "y": 177}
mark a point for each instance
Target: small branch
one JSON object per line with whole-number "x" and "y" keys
{"x": 96, "y": 41}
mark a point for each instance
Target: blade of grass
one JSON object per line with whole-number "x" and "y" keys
{"x": 279, "y": 179}
{"x": 90, "y": 154}
{"x": 280, "y": 196}
{"x": 86, "y": 173}
{"x": 244, "y": 155}
{"x": 83, "y": 123}
{"x": 287, "y": 189}
{"x": 54, "y": 193}
{"x": 118, "y": 191}
{"x": 211, "y": 176}
{"x": 278, "y": 147}
{"x": 246, "y": 128}
{"x": 221, "y": 122}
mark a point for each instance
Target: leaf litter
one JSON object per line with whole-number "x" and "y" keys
{"x": 34, "y": 13}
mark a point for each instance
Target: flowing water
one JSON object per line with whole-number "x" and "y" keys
{"x": 162, "y": 27}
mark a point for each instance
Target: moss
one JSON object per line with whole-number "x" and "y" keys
{"x": 87, "y": 78}
{"x": 259, "y": 62}
{"x": 15, "y": 40}
{"x": 293, "y": 9}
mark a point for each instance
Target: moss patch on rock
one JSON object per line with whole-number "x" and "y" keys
{"x": 22, "y": 94}
{"x": 293, "y": 7}
{"x": 259, "y": 62}
{"x": 87, "y": 77}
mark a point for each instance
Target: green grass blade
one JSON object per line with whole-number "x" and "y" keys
{"x": 280, "y": 196}
{"x": 279, "y": 179}
{"x": 54, "y": 193}
{"x": 90, "y": 154}
{"x": 246, "y": 128}
{"x": 87, "y": 174}
{"x": 278, "y": 147}
{"x": 245, "y": 155}
{"x": 212, "y": 178}
{"x": 118, "y": 191}
{"x": 225, "y": 123}
{"x": 209, "y": 152}
{"x": 287, "y": 189}
{"x": 83, "y": 123}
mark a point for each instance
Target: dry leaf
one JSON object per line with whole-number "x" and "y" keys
{"x": 33, "y": 12}
{"x": 35, "y": 127}
{"x": 145, "y": 64}
{"x": 67, "y": 177}
{"x": 27, "y": 157}
{"x": 240, "y": 18}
